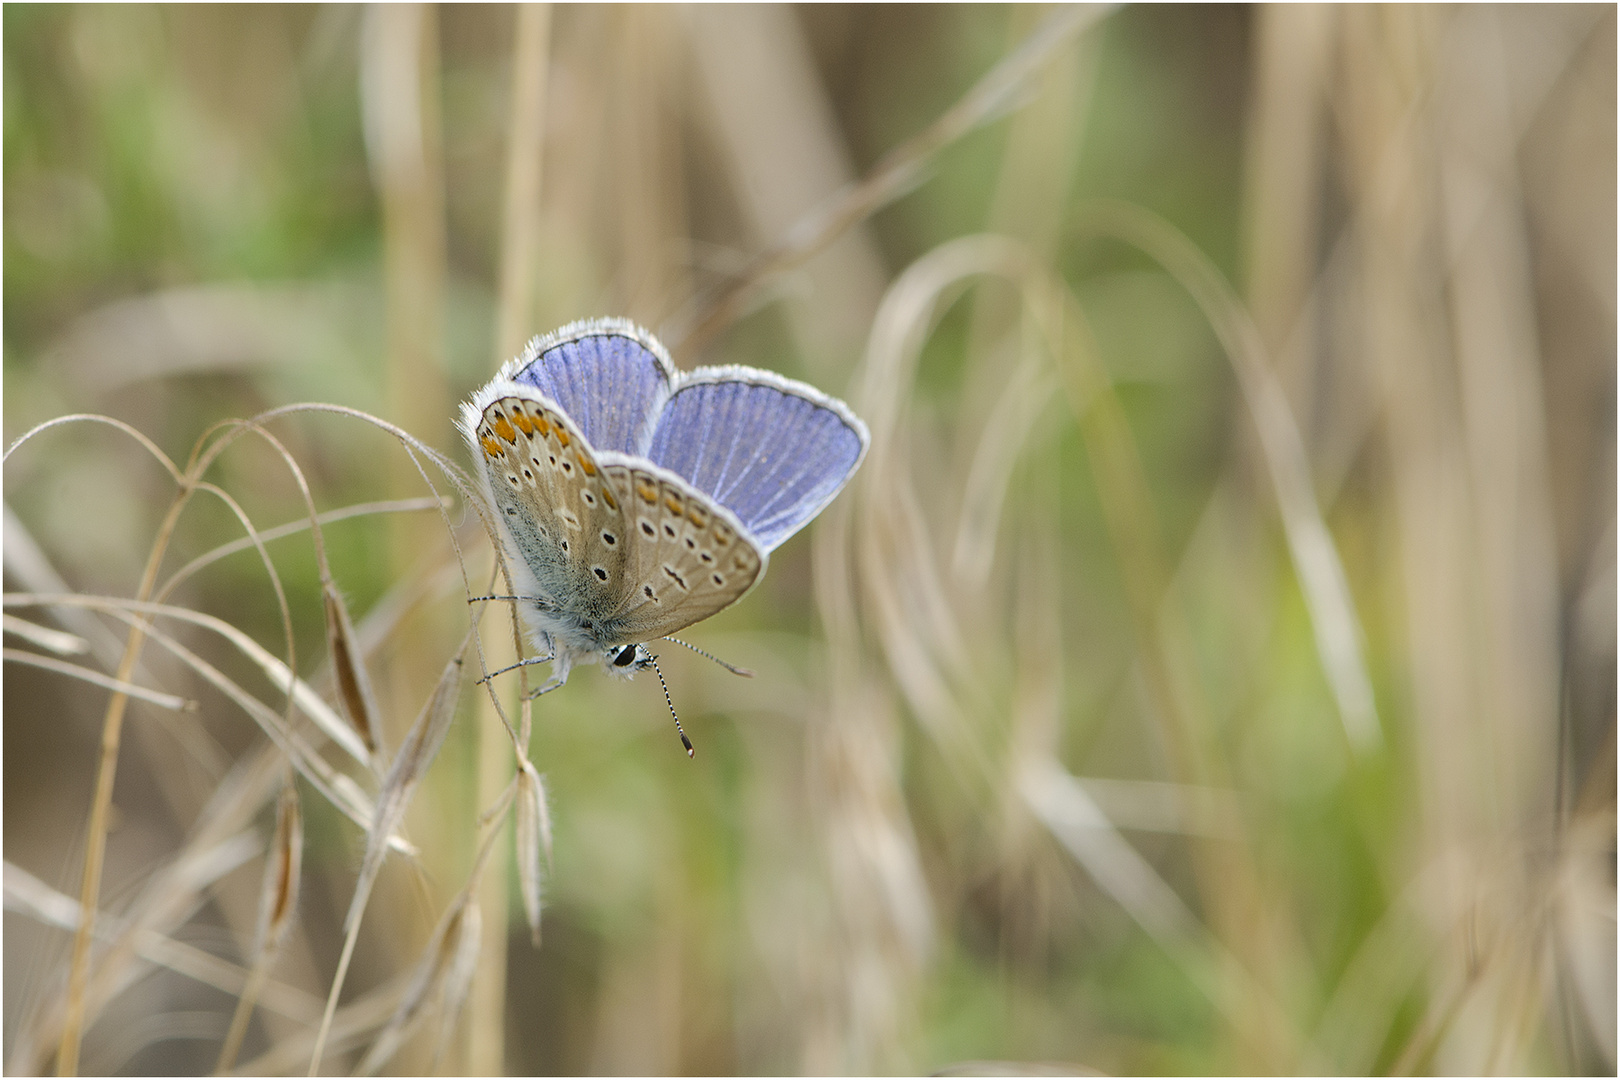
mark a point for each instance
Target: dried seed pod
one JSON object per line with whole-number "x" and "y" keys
{"x": 278, "y": 895}
{"x": 278, "y": 904}
{"x": 533, "y": 832}
{"x": 415, "y": 755}
{"x": 421, "y": 746}
{"x": 443, "y": 974}
{"x": 354, "y": 684}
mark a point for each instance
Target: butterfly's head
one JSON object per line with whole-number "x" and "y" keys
{"x": 624, "y": 661}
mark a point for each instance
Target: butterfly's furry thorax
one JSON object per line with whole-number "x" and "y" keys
{"x": 632, "y": 500}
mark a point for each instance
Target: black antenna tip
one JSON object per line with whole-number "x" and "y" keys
{"x": 691, "y": 751}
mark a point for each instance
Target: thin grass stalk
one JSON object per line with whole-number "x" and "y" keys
{"x": 785, "y": 150}
{"x": 293, "y": 528}
{"x": 443, "y": 973}
{"x": 354, "y": 1022}
{"x": 416, "y": 753}
{"x": 472, "y": 498}
{"x": 26, "y": 563}
{"x": 278, "y": 903}
{"x": 1252, "y": 923}
{"x": 881, "y": 903}
{"x": 27, "y": 895}
{"x": 168, "y": 898}
{"x": 242, "y": 799}
{"x": 402, "y": 116}
{"x": 485, "y": 1046}
{"x": 95, "y": 849}
{"x": 76, "y": 418}
{"x": 354, "y": 683}
{"x": 112, "y": 726}
{"x": 336, "y": 786}
{"x": 520, "y": 219}
{"x": 171, "y": 702}
{"x": 898, "y": 170}
{"x": 238, "y": 797}
{"x": 1336, "y": 627}
{"x": 1163, "y": 648}
{"x": 416, "y": 450}
{"x": 56, "y": 641}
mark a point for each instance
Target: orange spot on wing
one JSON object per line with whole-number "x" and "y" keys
{"x": 491, "y": 447}
{"x": 542, "y": 425}
{"x": 607, "y": 497}
{"x": 524, "y": 423}
{"x": 504, "y": 429}
{"x": 562, "y": 435}
{"x": 587, "y": 465}
{"x": 673, "y": 503}
{"x": 647, "y": 492}
{"x": 697, "y": 517}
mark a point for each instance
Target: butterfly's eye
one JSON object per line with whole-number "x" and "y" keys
{"x": 626, "y": 657}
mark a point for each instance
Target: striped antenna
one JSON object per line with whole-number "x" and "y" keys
{"x": 744, "y": 672}
{"x": 690, "y": 752}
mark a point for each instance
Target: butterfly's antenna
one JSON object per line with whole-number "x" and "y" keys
{"x": 690, "y": 752}
{"x": 744, "y": 672}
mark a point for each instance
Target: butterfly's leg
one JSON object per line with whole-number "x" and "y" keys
{"x": 548, "y": 686}
{"x": 559, "y": 674}
{"x": 526, "y": 662}
{"x": 538, "y": 601}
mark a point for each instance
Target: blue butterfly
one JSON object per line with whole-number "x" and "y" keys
{"x": 634, "y": 500}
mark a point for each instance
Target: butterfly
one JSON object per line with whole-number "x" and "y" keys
{"x": 633, "y": 500}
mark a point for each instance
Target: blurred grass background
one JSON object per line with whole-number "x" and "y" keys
{"x": 1193, "y": 680}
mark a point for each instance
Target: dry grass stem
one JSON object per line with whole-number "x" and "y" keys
{"x": 96, "y": 678}
{"x": 1316, "y": 559}
{"x": 278, "y": 904}
{"x": 56, "y": 641}
{"x": 27, "y": 895}
{"x": 337, "y": 787}
{"x": 168, "y": 898}
{"x": 891, "y": 177}
{"x": 441, "y": 978}
{"x": 416, "y": 753}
